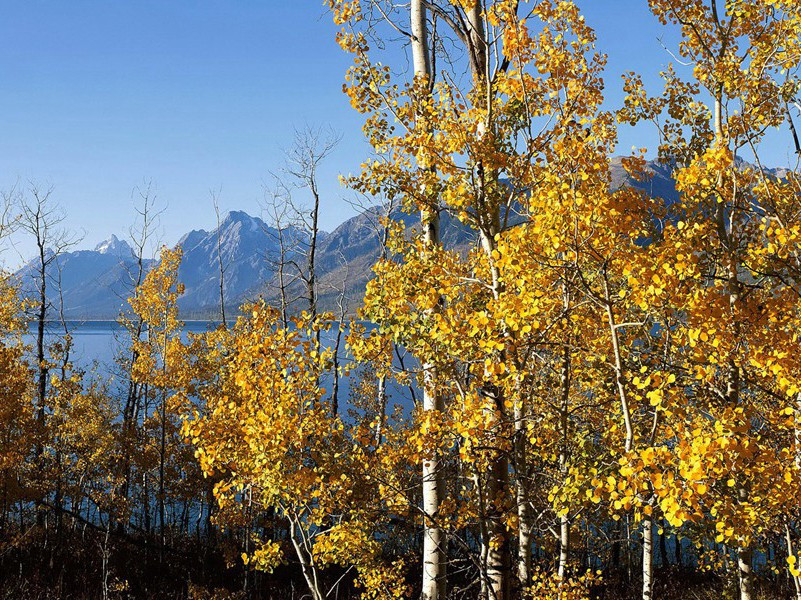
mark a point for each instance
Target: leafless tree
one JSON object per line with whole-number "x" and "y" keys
{"x": 41, "y": 218}
{"x": 220, "y": 263}
{"x": 7, "y": 222}
{"x": 378, "y": 217}
{"x": 281, "y": 225}
{"x": 342, "y": 312}
{"x": 310, "y": 148}
{"x": 141, "y": 236}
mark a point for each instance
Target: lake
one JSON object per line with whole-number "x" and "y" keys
{"x": 97, "y": 343}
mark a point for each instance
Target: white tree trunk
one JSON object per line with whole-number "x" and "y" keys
{"x": 745, "y": 571}
{"x": 420, "y": 56}
{"x": 647, "y": 558}
{"x": 434, "y": 556}
{"x": 564, "y": 545}
{"x": 434, "y": 542}
{"x": 305, "y": 558}
{"x": 523, "y": 508}
{"x": 564, "y": 407}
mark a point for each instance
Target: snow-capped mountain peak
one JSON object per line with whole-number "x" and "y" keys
{"x": 248, "y": 223}
{"x": 115, "y": 247}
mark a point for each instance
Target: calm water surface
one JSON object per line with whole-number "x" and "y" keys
{"x": 98, "y": 343}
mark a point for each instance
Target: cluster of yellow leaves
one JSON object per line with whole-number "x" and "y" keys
{"x": 265, "y": 431}
{"x": 547, "y": 586}
{"x": 681, "y": 318}
{"x": 16, "y": 392}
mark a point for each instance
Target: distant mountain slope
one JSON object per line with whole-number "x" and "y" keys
{"x": 659, "y": 185}
{"x": 349, "y": 252}
{"x": 249, "y": 250}
{"x": 96, "y": 283}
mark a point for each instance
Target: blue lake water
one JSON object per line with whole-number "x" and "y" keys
{"x": 96, "y": 344}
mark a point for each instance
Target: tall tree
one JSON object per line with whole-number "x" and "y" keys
{"x": 744, "y": 59}
{"x": 220, "y": 262}
{"x": 41, "y": 218}
{"x": 310, "y": 148}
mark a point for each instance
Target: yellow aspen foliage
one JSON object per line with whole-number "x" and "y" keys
{"x": 17, "y": 408}
{"x": 265, "y": 431}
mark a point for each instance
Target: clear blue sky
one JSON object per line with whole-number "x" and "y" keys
{"x": 98, "y": 95}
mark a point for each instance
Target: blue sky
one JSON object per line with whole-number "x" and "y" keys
{"x": 97, "y": 96}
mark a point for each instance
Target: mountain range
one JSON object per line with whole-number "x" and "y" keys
{"x": 96, "y": 283}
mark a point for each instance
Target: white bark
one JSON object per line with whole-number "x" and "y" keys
{"x": 420, "y": 55}
{"x": 647, "y": 558}
{"x": 564, "y": 545}
{"x": 305, "y": 557}
{"x": 523, "y": 507}
{"x": 745, "y": 572}
{"x": 791, "y": 552}
{"x": 564, "y": 520}
{"x": 434, "y": 556}
{"x": 434, "y": 542}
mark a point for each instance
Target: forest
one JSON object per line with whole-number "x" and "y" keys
{"x": 599, "y": 398}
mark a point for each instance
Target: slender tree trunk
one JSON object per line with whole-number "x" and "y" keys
{"x": 434, "y": 541}
{"x": 146, "y": 524}
{"x": 311, "y": 282}
{"x": 65, "y": 360}
{"x": 382, "y": 378}
{"x": 618, "y": 365}
{"x": 564, "y": 546}
{"x": 523, "y": 506}
{"x": 434, "y": 556}
{"x": 306, "y": 560}
{"x": 483, "y": 536}
{"x": 335, "y": 371}
{"x": 130, "y": 414}
{"x": 382, "y": 409}
{"x": 337, "y": 346}
{"x": 41, "y": 397}
{"x": 647, "y": 526}
{"x": 615, "y": 558}
{"x": 745, "y": 560}
{"x": 797, "y": 460}
{"x": 163, "y": 457}
{"x": 499, "y": 556}
{"x": 647, "y": 558}
{"x": 791, "y": 552}
{"x": 564, "y": 406}
{"x": 220, "y": 264}
{"x": 41, "y": 320}
{"x": 162, "y": 460}
{"x": 282, "y": 285}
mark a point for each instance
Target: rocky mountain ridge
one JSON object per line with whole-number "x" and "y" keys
{"x": 96, "y": 283}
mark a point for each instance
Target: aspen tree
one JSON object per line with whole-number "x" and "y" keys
{"x": 743, "y": 57}
{"x": 434, "y": 540}
{"x": 41, "y": 219}
{"x": 489, "y": 143}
